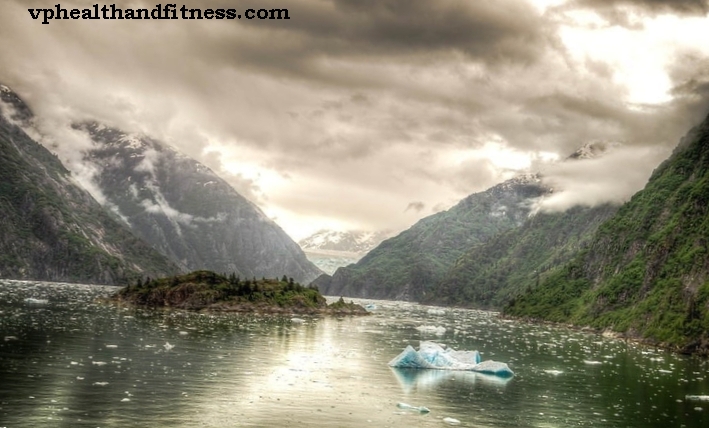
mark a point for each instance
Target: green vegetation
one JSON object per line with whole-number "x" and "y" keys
{"x": 489, "y": 275}
{"x": 207, "y": 290}
{"x": 646, "y": 272}
{"x": 408, "y": 265}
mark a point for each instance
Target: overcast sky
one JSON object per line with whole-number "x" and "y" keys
{"x": 371, "y": 114}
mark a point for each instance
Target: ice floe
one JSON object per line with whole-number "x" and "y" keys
{"x": 437, "y": 330}
{"x": 420, "y": 409}
{"x": 432, "y": 355}
{"x": 697, "y": 397}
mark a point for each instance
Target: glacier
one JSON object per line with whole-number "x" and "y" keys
{"x": 432, "y": 355}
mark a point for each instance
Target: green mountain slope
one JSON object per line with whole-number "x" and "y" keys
{"x": 646, "y": 272}
{"x": 406, "y": 266}
{"x": 50, "y": 227}
{"x": 490, "y": 274}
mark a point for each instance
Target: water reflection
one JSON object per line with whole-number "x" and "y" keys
{"x": 73, "y": 362}
{"x": 418, "y": 380}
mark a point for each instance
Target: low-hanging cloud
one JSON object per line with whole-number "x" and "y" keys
{"x": 610, "y": 178}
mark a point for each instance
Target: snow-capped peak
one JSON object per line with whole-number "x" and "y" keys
{"x": 346, "y": 241}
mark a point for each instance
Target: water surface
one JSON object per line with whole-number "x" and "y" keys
{"x": 74, "y": 362}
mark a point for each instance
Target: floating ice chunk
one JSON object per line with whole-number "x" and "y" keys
{"x": 437, "y": 330}
{"x": 431, "y": 355}
{"x": 98, "y": 363}
{"x": 111, "y": 346}
{"x": 371, "y": 307}
{"x": 592, "y": 363}
{"x": 167, "y": 346}
{"x": 420, "y": 409}
{"x": 184, "y": 333}
{"x": 697, "y": 397}
{"x": 33, "y": 301}
{"x": 436, "y": 311}
{"x": 451, "y": 421}
{"x": 9, "y": 338}
{"x": 494, "y": 368}
{"x": 125, "y": 399}
{"x": 101, "y": 383}
{"x": 297, "y": 320}
{"x": 553, "y": 372}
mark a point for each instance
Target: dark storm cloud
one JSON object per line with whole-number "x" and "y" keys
{"x": 487, "y": 31}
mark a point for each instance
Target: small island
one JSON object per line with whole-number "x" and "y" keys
{"x": 208, "y": 291}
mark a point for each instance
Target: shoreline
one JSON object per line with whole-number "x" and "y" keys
{"x": 699, "y": 349}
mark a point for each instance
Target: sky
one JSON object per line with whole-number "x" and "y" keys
{"x": 371, "y": 114}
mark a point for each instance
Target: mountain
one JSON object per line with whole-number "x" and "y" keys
{"x": 353, "y": 242}
{"x": 51, "y": 228}
{"x": 187, "y": 212}
{"x": 406, "y": 266}
{"x": 330, "y": 250}
{"x": 490, "y": 274}
{"x": 646, "y": 271}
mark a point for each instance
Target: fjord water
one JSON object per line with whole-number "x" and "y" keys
{"x": 76, "y": 362}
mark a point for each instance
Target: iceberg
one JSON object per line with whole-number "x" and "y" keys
{"x": 431, "y": 355}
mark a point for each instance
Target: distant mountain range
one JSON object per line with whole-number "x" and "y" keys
{"x": 352, "y": 242}
{"x": 330, "y": 250}
{"x": 163, "y": 212}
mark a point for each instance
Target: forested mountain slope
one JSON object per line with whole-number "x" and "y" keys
{"x": 490, "y": 274}
{"x": 646, "y": 272}
{"x": 406, "y": 266}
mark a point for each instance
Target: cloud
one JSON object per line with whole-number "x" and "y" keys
{"x": 417, "y": 206}
{"x": 350, "y": 110}
{"x": 619, "y": 8}
{"x": 610, "y": 178}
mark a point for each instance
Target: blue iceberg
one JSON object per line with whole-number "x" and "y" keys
{"x": 431, "y": 355}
